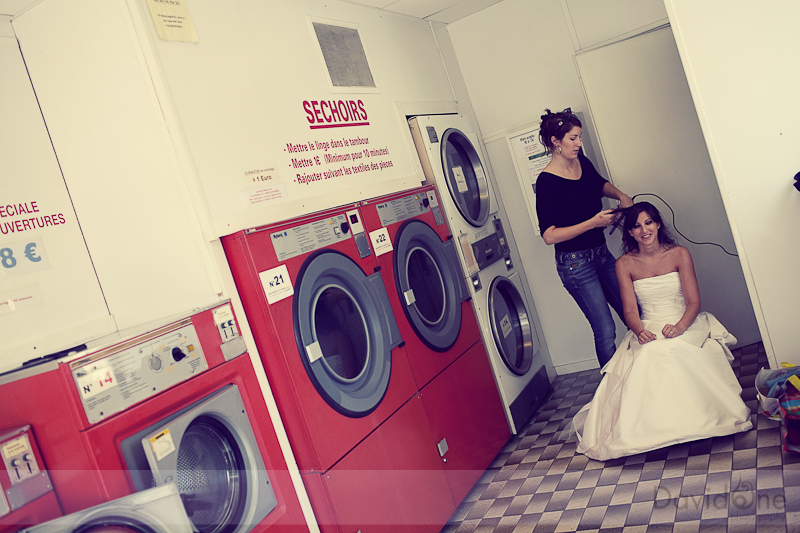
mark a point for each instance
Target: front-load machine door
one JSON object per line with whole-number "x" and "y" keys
{"x": 465, "y": 176}
{"x": 155, "y": 510}
{"x": 429, "y": 283}
{"x": 345, "y": 332}
{"x": 210, "y": 451}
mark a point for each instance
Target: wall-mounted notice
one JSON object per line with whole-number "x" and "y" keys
{"x": 172, "y": 20}
{"x": 334, "y": 150}
{"x": 262, "y": 186}
{"x": 530, "y": 158}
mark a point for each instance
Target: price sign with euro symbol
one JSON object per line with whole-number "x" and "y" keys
{"x": 22, "y": 257}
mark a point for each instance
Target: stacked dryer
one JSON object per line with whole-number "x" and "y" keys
{"x": 428, "y": 294}
{"x": 449, "y": 158}
{"x": 322, "y": 319}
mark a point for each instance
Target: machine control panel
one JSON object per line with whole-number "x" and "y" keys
{"x": 114, "y": 379}
{"x": 25, "y": 479}
{"x": 488, "y": 250}
{"x": 306, "y": 238}
{"x": 404, "y": 208}
{"x": 501, "y": 235}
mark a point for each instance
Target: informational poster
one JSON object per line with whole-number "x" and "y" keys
{"x": 530, "y": 158}
{"x": 172, "y": 20}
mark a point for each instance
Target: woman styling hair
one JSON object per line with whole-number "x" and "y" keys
{"x": 569, "y": 205}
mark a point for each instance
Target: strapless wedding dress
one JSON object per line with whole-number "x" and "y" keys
{"x": 666, "y": 391}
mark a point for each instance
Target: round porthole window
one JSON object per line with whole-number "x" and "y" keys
{"x": 511, "y": 326}
{"x": 341, "y": 332}
{"x": 465, "y": 176}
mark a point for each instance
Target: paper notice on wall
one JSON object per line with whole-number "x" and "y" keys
{"x": 21, "y": 299}
{"x": 263, "y": 196}
{"x": 172, "y": 20}
{"x": 262, "y": 186}
{"x": 530, "y": 158}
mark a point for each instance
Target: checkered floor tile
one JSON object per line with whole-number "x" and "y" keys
{"x": 738, "y": 483}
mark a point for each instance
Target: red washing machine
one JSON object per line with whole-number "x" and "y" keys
{"x": 38, "y": 398}
{"x": 319, "y": 311}
{"x": 26, "y": 490}
{"x": 425, "y": 283}
{"x": 179, "y": 404}
{"x": 430, "y": 299}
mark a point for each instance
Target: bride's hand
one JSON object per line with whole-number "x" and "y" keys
{"x": 645, "y": 336}
{"x": 671, "y": 331}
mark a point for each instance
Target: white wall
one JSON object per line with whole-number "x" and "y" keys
{"x": 234, "y": 100}
{"x": 744, "y": 85}
{"x": 517, "y": 58}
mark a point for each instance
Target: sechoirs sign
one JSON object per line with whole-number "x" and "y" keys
{"x": 335, "y": 113}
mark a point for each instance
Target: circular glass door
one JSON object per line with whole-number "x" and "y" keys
{"x": 340, "y": 333}
{"x": 511, "y": 326}
{"x": 425, "y": 281}
{"x": 466, "y": 179}
{"x": 211, "y": 476}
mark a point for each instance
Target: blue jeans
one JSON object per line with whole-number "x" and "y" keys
{"x": 590, "y": 278}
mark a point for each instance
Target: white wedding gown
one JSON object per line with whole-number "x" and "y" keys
{"x": 666, "y": 391}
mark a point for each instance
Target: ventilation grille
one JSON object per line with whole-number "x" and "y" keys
{"x": 344, "y": 56}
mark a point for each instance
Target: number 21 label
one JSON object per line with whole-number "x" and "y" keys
{"x": 276, "y": 283}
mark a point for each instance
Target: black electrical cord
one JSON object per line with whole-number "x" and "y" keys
{"x": 673, "y": 223}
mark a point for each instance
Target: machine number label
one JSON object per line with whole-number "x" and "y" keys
{"x": 162, "y": 444}
{"x": 276, "y": 283}
{"x": 505, "y": 325}
{"x": 22, "y": 257}
{"x": 94, "y": 379}
{"x": 381, "y": 242}
{"x": 461, "y": 180}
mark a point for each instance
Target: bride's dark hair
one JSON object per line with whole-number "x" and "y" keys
{"x": 629, "y": 244}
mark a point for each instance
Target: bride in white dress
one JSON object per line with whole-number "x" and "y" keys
{"x": 670, "y": 381}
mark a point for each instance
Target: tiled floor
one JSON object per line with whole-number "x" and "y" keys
{"x": 737, "y": 483}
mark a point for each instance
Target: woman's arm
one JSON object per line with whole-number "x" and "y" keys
{"x": 554, "y": 235}
{"x": 691, "y": 292}
{"x": 630, "y": 308}
{"x": 609, "y": 191}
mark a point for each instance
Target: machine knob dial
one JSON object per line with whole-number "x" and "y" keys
{"x": 345, "y": 227}
{"x": 27, "y": 457}
{"x": 177, "y": 354}
{"x": 14, "y": 462}
{"x": 156, "y": 364}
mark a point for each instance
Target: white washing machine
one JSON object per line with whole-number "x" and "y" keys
{"x": 450, "y": 159}
{"x": 156, "y": 510}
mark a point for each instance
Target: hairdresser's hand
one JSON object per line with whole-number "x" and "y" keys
{"x": 671, "y": 331}
{"x": 603, "y": 219}
{"x": 625, "y": 200}
{"x": 645, "y": 336}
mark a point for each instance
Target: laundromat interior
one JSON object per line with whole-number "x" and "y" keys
{"x": 272, "y": 265}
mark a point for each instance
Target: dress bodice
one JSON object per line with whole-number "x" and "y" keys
{"x": 660, "y": 297}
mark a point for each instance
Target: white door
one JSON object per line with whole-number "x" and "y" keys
{"x": 50, "y": 298}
